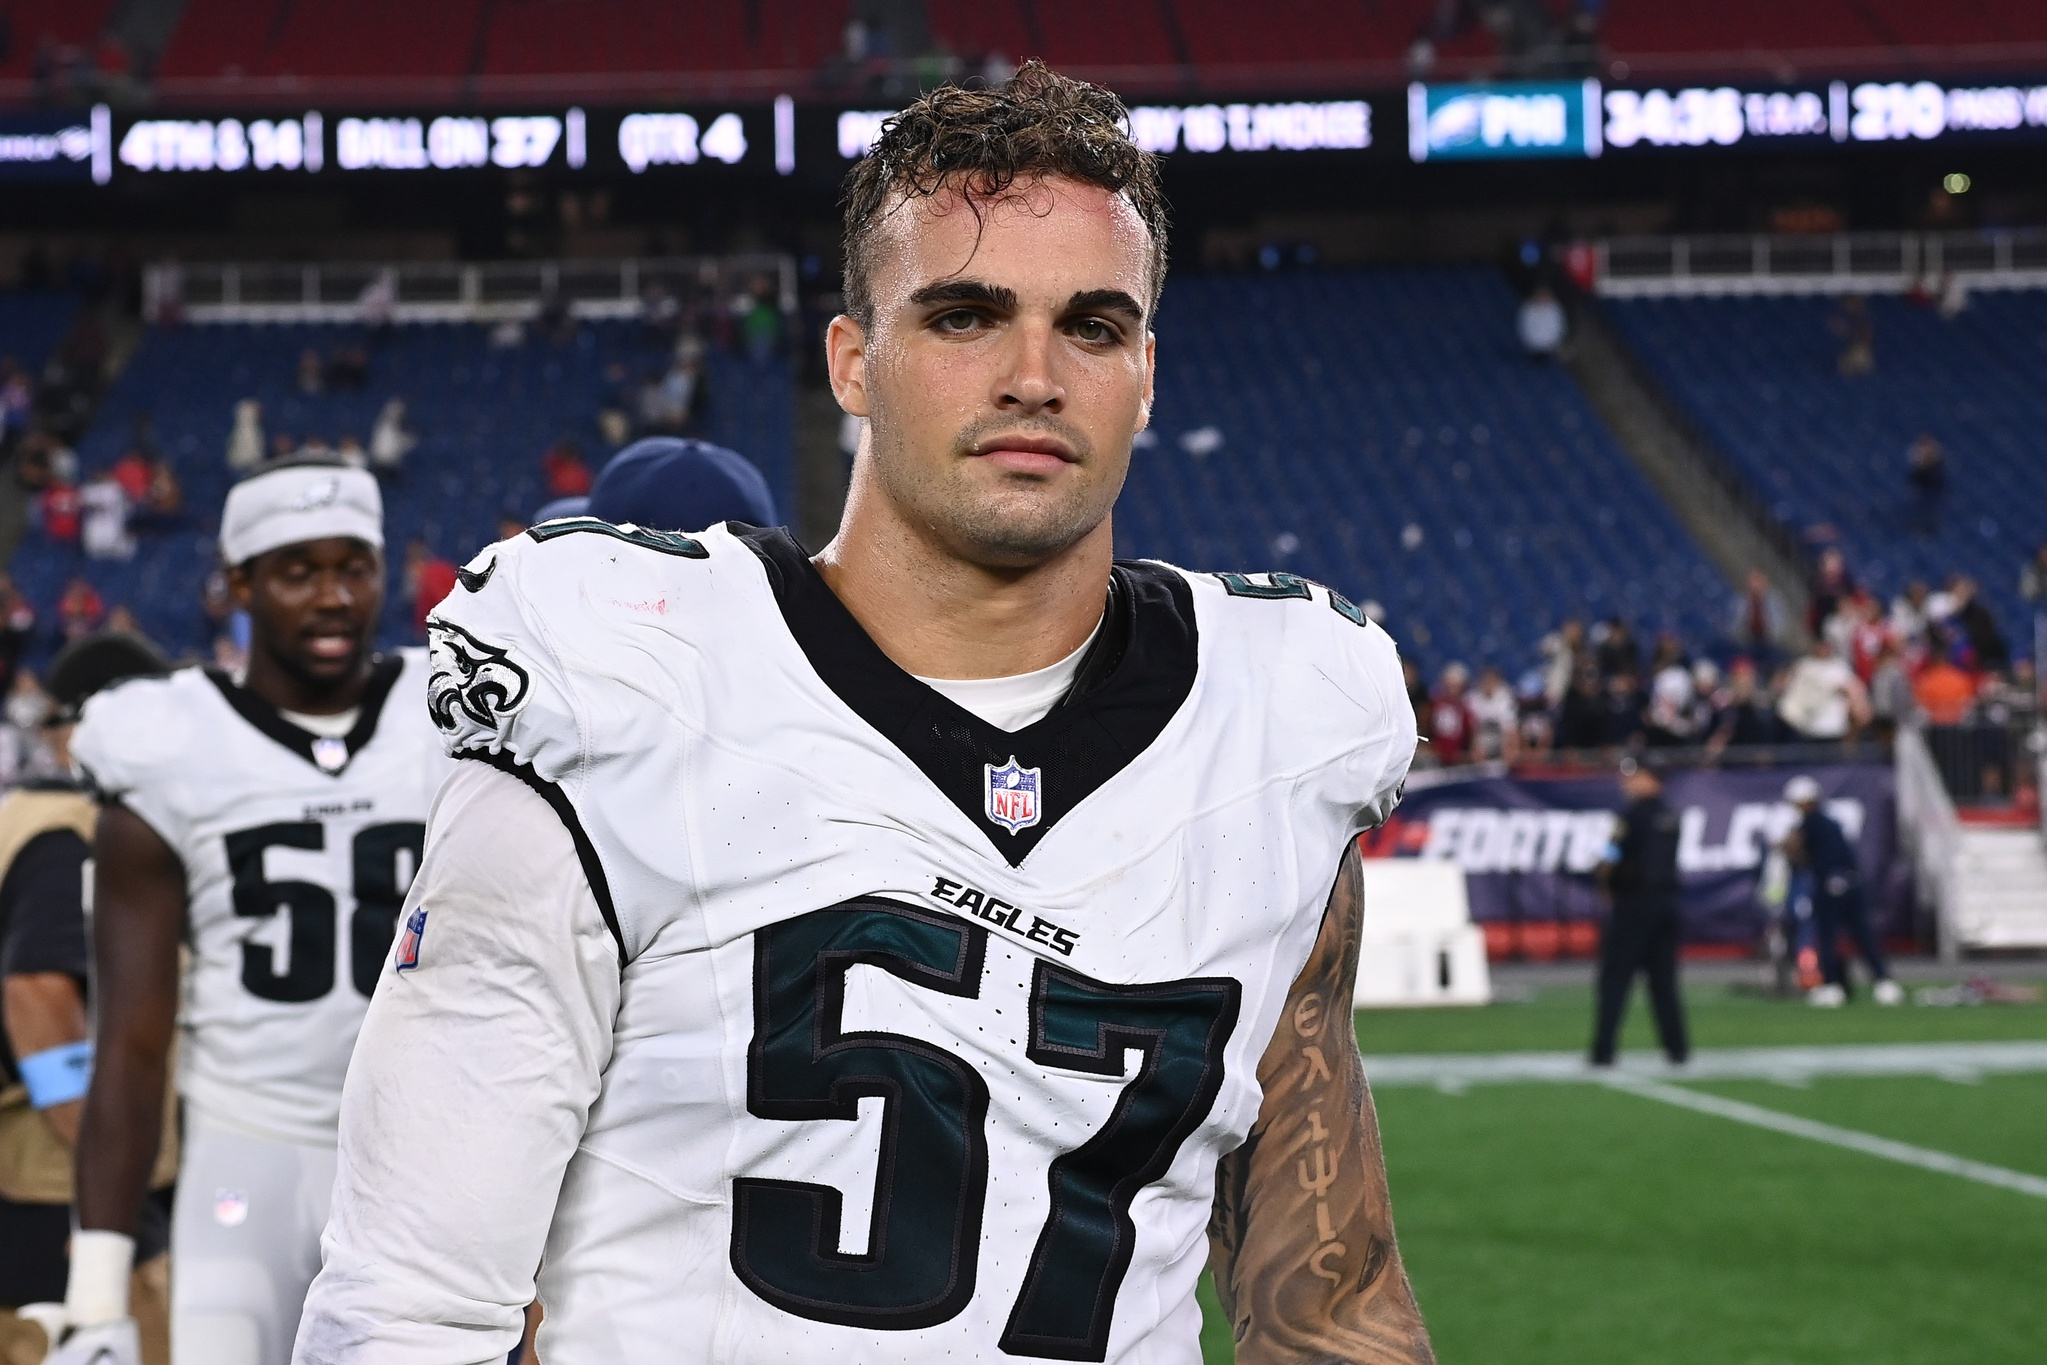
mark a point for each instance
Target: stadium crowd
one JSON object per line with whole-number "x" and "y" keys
{"x": 1854, "y": 669}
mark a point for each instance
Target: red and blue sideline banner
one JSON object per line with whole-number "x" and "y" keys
{"x": 1528, "y": 844}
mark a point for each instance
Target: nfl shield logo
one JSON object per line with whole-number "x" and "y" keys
{"x": 408, "y": 944}
{"x": 330, "y": 753}
{"x": 1013, "y": 795}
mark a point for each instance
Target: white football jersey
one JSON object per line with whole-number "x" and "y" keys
{"x": 927, "y": 1035}
{"x": 298, "y": 852}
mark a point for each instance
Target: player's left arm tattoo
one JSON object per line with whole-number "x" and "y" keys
{"x": 1301, "y": 1238}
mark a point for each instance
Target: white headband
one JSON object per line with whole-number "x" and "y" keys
{"x": 300, "y": 503}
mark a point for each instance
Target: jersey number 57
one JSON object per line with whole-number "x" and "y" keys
{"x": 924, "y": 1244}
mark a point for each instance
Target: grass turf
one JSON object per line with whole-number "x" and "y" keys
{"x": 1560, "y": 1019}
{"x": 1545, "y": 1224}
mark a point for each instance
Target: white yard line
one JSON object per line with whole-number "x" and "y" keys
{"x": 1787, "y": 1065}
{"x": 1866, "y": 1143}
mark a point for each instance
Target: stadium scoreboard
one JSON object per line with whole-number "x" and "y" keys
{"x": 1428, "y": 122}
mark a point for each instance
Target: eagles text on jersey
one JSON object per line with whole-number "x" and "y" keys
{"x": 930, "y": 1034}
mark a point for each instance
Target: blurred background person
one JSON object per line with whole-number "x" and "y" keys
{"x": 1643, "y": 931}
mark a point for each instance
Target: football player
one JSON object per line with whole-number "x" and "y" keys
{"x": 934, "y": 950}
{"x": 273, "y": 824}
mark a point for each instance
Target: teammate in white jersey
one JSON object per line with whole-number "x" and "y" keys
{"x": 272, "y": 824}
{"x": 923, "y": 952}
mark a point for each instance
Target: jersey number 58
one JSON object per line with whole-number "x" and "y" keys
{"x": 379, "y": 882}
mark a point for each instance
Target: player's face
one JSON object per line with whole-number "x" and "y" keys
{"x": 1008, "y": 366}
{"x": 313, "y": 606}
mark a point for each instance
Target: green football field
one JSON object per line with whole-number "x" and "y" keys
{"x": 1575, "y": 1223}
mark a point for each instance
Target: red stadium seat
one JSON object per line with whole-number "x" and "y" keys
{"x": 66, "y": 23}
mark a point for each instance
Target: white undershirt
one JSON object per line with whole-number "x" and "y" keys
{"x": 1014, "y": 702}
{"x": 335, "y": 726}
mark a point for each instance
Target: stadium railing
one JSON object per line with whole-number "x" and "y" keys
{"x": 1931, "y": 832}
{"x": 1837, "y": 263}
{"x": 447, "y": 291}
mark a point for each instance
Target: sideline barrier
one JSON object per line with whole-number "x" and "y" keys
{"x": 1418, "y": 945}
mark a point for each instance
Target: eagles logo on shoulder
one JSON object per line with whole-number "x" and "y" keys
{"x": 472, "y": 683}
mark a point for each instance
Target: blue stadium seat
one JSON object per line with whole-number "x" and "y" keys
{"x": 1381, "y": 432}
{"x": 484, "y": 416}
{"x": 1826, "y": 450}
{"x": 31, "y": 325}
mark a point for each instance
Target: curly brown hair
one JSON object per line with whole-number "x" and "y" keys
{"x": 982, "y": 141}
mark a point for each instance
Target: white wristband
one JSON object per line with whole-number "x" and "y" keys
{"x": 100, "y": 1265}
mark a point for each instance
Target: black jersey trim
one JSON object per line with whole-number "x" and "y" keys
{"x": 384, "y": 671}
{"x": 1131, "y": 683}
{"x": 586, "y": 852}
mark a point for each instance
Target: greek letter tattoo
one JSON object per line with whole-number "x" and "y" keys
{"x": 1301, "y": 1237}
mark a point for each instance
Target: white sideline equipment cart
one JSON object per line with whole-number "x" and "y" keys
{"x": 1418, "y": 945}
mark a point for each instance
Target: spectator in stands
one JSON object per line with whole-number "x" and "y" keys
{"x": 350, "y": 452}
{"x": 1758, "y": 619}
{"x": 1979, "y": 627}
{"x": 59, "y": 509}
{"x": 1581, "y": 716}
{"x": 660, "y": 315}
{"x": 315, "y": 448}
{"x": 760, "y": 321}
{"x": 1908, "y": 614}
{"x": 312, "y": 374}
{"x": 163, "y": 499}
{"x": 216, "y": 609}
{"x": 1495, "y": 716}
{"x": 1418, "y": 702}
{"x": 668, "y": 402}
{"x": 17, "y": 397}
{"x": 1707, "y": 696}
{"x": 245, "y": 439}
{"x": 1562, "y": 650}
{"x": 1891, "y": 703}
{"x": 377, "y": 305}
{"x": 1621, "y": 712}
{"x": 1926, "y": 472}
{"x": 1831, "y": 584}
{"x": 17, "y": 628}
{"x": 1541, "y": 325}
{"x": 1614, "y": 648}
{"x": 44, "y": 462}
{"x": 621, "y": 401}
{"x": 1857, "y": 330}
{"x": 1944, "y": 690}
{"x": 556, "y": 320}
{"x": 283, "y": 446}
{"x": 2033, "y": 577}
{"x": 104, "y": 507}
{"x": 391, "y": 439}
{"x": 1538, "y": 717}
{"x": 80, "y": 610}
{"x": 428, "y": 581}
{"x": 565, "y": 471}
{"x": 1860, "y": 631}
{"x": 131, "y": 472}
{"x": 1743, "y": 714}
{"x": 1451, "y": 727}
{"x": 1823, "y": 700}
{"x": 1671, "y": 719}
{"x": 348, "y": 367}
{"x": 22, "y": 751}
